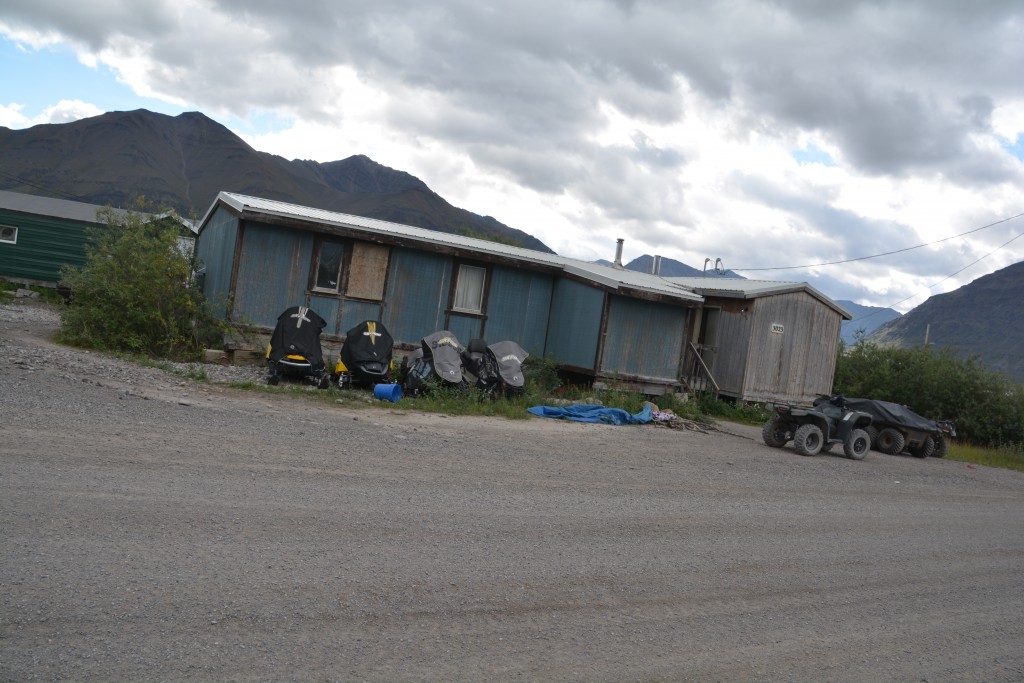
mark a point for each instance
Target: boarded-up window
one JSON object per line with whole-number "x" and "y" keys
{"x": 368, "y": 269}
{"x": 9, "y": 234}
{"x": 469, "y": 289}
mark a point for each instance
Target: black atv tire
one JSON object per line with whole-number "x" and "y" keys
{"x": 925, "y": 450}
{"x": 890, "y": 441}
{"x": 808, "y": 439}
{"x": 857, "y": 444}
{"x": 872, "y": 435}
{"x": 775, "y": 433}
{"x": 941, "y": 447}
{"x": 273, "y": 380}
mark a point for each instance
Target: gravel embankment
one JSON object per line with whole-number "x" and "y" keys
{"x": 157, "y": 528}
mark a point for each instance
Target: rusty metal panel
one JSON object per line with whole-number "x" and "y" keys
{"x": 518, "y": 306}
{"x": 273, "y": 273}
{"x": 417, "y": 294}
{"x": 355, "y": 312}
{"x": 464, "y": 327}
{"x": 368, "y": 269}
{"x": 792, "y": 356}
{"x": 644, "y": 339}
{"x": 215, "y": 249}
{"x": 575, "y": 324}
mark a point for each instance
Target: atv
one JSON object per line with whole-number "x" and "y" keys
{"x": 820, "y": 427}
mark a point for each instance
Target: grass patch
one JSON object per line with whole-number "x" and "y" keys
{"x": 1005, "y": 457}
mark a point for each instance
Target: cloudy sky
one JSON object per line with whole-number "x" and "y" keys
{"x": 775, "y": 136}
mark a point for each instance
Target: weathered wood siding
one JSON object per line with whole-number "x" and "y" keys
{"x": 517, "y": 308}
{"x": 273, "y": 273}
{"x": 795, "y": 362}
{"x": 216, "y": 253}
{"x": 575, "y": 324}
{"x": 643, "y": 339}
{"x": 417, "y": 294}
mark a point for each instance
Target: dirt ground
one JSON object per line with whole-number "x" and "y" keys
{"x": 153, "y": 528}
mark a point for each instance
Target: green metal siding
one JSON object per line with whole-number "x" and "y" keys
{"x": 215, "y": 250}
{"x": 517, "y": 308}
{"x": 644, "y": 339}
{"x": 273, "y": 273}
{"x": 44, "y": 245}
{"x": 575, "y": 324}
{"x": 417, "y": 294}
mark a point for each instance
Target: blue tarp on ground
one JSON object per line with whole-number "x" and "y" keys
{"x": 594, "y": 413}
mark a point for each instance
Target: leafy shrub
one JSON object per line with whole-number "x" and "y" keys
{"x": 136, "y": 292}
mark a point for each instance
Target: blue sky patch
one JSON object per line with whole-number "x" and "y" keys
{"x": 812, "y": 154}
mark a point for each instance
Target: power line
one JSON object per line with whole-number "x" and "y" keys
{"x": 890, "y": 253}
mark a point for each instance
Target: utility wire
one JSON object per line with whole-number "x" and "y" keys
{"x": 889, "y": 253}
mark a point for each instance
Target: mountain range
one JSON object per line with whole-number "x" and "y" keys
{"x": 182, "y": 162}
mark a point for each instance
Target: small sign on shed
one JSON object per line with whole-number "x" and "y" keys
{"x": 778, "y": 328}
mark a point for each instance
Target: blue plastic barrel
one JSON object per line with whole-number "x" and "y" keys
{"x": 388, "y": 392}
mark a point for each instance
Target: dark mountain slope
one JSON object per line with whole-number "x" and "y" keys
{"x": 982, "y": 318}
{"x": 866, "y": 318}
{"x": 182, "y": 162}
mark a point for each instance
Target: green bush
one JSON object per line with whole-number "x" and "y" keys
{"x": 136, "y": 292}
{"x": 988, "y": 408}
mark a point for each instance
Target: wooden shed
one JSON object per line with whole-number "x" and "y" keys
{"x": 261, "y": 256}
{"x": 762, "y": 341}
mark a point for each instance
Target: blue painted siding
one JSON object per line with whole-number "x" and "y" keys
{"x": 327, "y": 308}
{"x": 517, "y": 308}
{"x": 355, "y": 312}
{"x": 643, "y": 338}
{"x": 464, "y": 327}
{"x": 417, "y": 294}
{"x": 216, "y": 252}
{"x": 575, "y": 324}
{"x": 273, "y": 272}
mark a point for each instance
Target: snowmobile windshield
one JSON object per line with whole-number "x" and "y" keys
{"x": 509, "y": 356}
{"x": 298, "y": 334}
{"x": 367, "y": 342}
{"x": 445, "y": 350}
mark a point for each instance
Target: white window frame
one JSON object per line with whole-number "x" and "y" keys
{"x": 462, "y": 302}
{"x": 341, "y": 265}
{"x": 5, "y": 231}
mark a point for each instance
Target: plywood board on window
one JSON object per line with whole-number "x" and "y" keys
{"x": 367, "y": 271}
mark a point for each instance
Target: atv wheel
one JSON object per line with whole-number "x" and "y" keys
{"x": 857, "y": 445}
{"x": 808, "y": 439}
{"x": 872, "y": 435}
{"x": 925, "y": 450}
{"x": 273, "y": 380}
{"x": 941, "y": 446}
{"x": 323, "y": 381}
{"x": 890, "y": 441}
{"x": 774, "y": 433}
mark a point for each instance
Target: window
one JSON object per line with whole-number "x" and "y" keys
{"x": 328, "y": 266}
{"x": 9, "y": 234}
{"x": 469, "y": 289}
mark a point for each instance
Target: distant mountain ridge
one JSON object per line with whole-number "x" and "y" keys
{"x": 669, "y": 268}
{"x": 865, "y": 319}
{"x": 182, "y": 162}
{"x": 982, "y": 318}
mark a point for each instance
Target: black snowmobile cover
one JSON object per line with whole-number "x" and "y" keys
{"x": 509, "y": 356}
{"x": 298, "y": 333}
{"x": 445, "y": 351}
{"x": 884, "y": 412}
{"x": 367, "y": 342}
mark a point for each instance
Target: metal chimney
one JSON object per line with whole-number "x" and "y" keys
{"x": 657, "y": 265}
{"x": 618, "y": 252}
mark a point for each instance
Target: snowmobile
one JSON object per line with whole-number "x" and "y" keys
{"x": 498, "y": 367}
{"x": 294, "y": 350}
{"x": 438, "y": 361}
{"x": 366, "y": 356}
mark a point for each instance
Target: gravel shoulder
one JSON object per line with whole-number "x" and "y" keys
{"x": 158, "y": 528}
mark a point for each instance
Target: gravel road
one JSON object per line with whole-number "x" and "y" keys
{"x": 155, "y": 528}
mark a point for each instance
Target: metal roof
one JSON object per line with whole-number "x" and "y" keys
{"x": 740, "y": 288}
{"x": 605, "y": 275}
{"x": 47, "y": 206}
